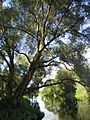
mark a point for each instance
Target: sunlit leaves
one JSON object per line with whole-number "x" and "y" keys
{"x": 37, "y": 32}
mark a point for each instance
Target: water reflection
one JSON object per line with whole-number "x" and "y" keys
{"x": 61, "y": 100}
{"x": 48, "y": 115}
{"x": 82, "y": 113}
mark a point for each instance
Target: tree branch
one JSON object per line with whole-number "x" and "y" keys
{"x": 67, "y": 10}
{"x": 59, "y": 34}
{"x": 3, "y": 78}
{"x": 38, "y": 41}
{"x": 47, "y": 15}
{"x": 24, "y": 55}
{"x": 29, "y": 90}
{"x": 3, "y": 56}
{"x": 46, "y": 61}
{"x": 81, "y": 34}
{"x": 21, "y": 29}
{"x": 51, "y": 63}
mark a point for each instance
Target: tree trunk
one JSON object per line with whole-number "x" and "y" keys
{"x": 28, "y": 77}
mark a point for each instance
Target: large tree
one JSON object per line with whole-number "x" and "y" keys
{"x": 33, "y": 34}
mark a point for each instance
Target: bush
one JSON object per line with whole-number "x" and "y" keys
{"x": 24, "y": 110}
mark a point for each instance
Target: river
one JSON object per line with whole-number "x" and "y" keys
{"x": 82, "y": 114}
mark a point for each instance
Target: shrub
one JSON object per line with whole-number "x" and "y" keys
{"x": 24, "y": 110}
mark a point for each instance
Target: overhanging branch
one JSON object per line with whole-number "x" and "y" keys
{"x": 81, "y": 34}
{"x": 29, "y": 90}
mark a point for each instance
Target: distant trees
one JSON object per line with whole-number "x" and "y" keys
{"x": 60, "y": 98}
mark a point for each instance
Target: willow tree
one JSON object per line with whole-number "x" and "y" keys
{"x": 33, "y": 34}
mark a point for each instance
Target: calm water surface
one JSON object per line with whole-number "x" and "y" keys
{"x": 82, "y": 114}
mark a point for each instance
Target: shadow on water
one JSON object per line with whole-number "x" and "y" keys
{"x": 61, "y": 101}
{"x": 81, "y": 112}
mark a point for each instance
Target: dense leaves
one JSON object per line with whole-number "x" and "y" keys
{"x": 24, "y": 110}
{"x": 36, "y": 35}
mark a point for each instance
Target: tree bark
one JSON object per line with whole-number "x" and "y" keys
{"x": 28, "y": 77}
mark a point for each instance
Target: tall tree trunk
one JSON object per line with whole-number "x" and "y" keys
{"x": 11, "y": 72}
{"x": 28, "y": 77}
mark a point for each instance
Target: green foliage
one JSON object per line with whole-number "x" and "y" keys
{"x": 64, "y": 73}
{"x": 60, "y": 98}
{"x": 81, "y": 93}
{"x": 33, "y": 35}
{"x": 24, "y": 111}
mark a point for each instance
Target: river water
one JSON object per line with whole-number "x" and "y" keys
{"x": 82, "y": 114}
{"x": 48, "y": 115}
